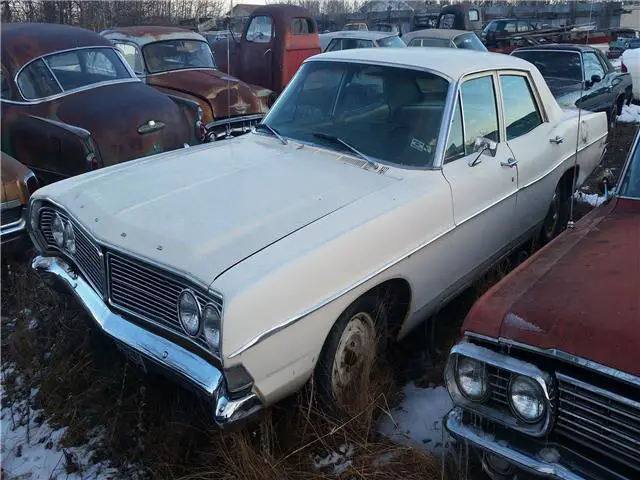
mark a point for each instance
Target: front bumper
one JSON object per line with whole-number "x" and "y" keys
{"x": 14, "y": 237}
{"x": 159, "y": 353}
{"x": 504, "y": 448}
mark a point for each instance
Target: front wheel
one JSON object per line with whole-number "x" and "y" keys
{"x": 350, "y": 352}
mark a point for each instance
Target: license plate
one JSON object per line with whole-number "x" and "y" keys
{"x": 133, "y": 356}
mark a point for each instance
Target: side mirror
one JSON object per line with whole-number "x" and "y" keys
{"x": 595, "y": 78}
{"x": 485, "y": 145}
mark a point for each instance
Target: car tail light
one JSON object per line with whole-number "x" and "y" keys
{"x": 623, "y": 68}
{"x": 92, "y": 161}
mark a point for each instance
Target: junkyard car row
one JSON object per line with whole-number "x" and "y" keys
{"x": 366, "y": 188}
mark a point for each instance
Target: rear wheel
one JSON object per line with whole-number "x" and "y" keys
{"x": 557, "y": 215}
{"x": 350, "y": 352}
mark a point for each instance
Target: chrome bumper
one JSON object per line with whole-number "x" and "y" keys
{"x": 13, "y": 231}
{"x": 491, "y": 444}
{"x": 171, "y": 359}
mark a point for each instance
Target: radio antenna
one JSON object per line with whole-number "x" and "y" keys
{"x": 229, "y": 69}
{"x": 571, "y": 222}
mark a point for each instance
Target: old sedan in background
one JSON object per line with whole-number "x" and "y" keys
{"x": 444, "y": 37}
{"x": 180, "y": 62}
{"x": 345, "y": 40}
{"x": 547, "y": 377}
{"x": 631, "y": 65}
{"x": 380, "y": 184}
{"x": 18, "y": 183}
{"x": 581, "y": 76}
{"x": 71, "y": 104}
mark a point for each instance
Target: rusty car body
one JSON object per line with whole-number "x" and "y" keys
{"x": 18, "y": 183}
{"x": 551, "y": 353}
{"x": 275, "y": 41}
{"x": 180, "y": 62}
{"x": 70, "y": 103}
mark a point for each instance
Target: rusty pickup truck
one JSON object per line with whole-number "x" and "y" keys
{"x": 275, "y": 41}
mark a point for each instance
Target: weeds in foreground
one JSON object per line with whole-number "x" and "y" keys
{"x": 152, "y": 429}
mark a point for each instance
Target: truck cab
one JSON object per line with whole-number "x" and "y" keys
{"x": 275, "y": 41}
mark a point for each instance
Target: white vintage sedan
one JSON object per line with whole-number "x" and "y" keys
{"x": 380, "y": 185}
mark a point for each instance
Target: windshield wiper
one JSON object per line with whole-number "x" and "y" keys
{"x": 273, "y": 131}
{"x": 338, "y": 140}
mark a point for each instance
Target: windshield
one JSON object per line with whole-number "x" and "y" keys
{"x": 630, "y": 185}
{"x": 390, "y": 114}
{"x": 553, "y": 64}
{"x": 69, "y": 70}
{"x": 469, "y": 41}
{"x": 177, "y": 54}
{"x": 393, "y": 41}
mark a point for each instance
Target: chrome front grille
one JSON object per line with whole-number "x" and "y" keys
{"x": 600, "y": 420}
{"x": 145, "y": 292}
{"x": 88, "y": 256}
{"x": 498, "y": 385}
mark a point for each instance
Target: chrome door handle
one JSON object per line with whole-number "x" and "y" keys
{"x": 267, "y": 51}
{"x": 511, "y": 162}
{"x": 557, "y": 140}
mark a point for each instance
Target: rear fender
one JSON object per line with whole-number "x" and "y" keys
{"x": 52, "y": 149}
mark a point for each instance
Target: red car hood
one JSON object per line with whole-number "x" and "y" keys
{"x": 580, "y": 294}
{"x": 216, "y": 90}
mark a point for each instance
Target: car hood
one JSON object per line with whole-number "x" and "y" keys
{"x": 225, "y": 95}
{"x": 579, "y": 295}
{"x": 203, "y": 209}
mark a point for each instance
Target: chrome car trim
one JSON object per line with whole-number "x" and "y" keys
{"x": 287, "y": 323}
{"x": 119, "y": 249}
{"x": 489, "y": 443}
{"x": 575, "y": 360}
{"x": 513, "y": 366}
{"x": 561, "y": 355}
{"x": 13, "y": 228}
{"x": 555, "y": 167}
{"x": 66, "y": 126}
{"x": 10, "y": 204}
{"x": 70, "y": 92}
{"x": 229, "y": 120}
{"x": 170, "y": 357}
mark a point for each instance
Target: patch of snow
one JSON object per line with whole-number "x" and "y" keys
{"x": 512, "y": 320}
{"x": 630, "y": 114}
{"x": 616, "y": 63}
{"x": 31, "y": 447}
{"x": 340, "y": 460}
{"x": 418, "y": 419}
{"x": 592, "y": 199}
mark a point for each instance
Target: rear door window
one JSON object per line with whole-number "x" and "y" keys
{"x": 521, "y": 113}
{"x": 36, "y": 81}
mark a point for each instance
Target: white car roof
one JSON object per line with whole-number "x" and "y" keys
{"x": 451, "y": 62}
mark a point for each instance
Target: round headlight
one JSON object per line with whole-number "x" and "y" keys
{"x": 211, "y": 326}
{"x": 471, "y": 377}
{"x": 57, "y": 230}
{"x": 69, "y": 238}
{"x": 527, "y": 398}
{"x": 189, "y": 312}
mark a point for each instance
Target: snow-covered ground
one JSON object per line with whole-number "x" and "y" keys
{"x": 31, "y": 448}
{"x": 592, "y": 199}
{"x": 630, "y": 114}
{"x": 418, "y": 419}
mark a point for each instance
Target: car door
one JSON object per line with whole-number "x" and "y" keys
{"x": 483, "y": 186}
{"x": 597, "y": 97}
{"x": 258, "y": 52}
{"x": 527, "y": 135}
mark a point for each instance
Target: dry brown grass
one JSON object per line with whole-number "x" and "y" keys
{"x": 156, "y": 430}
